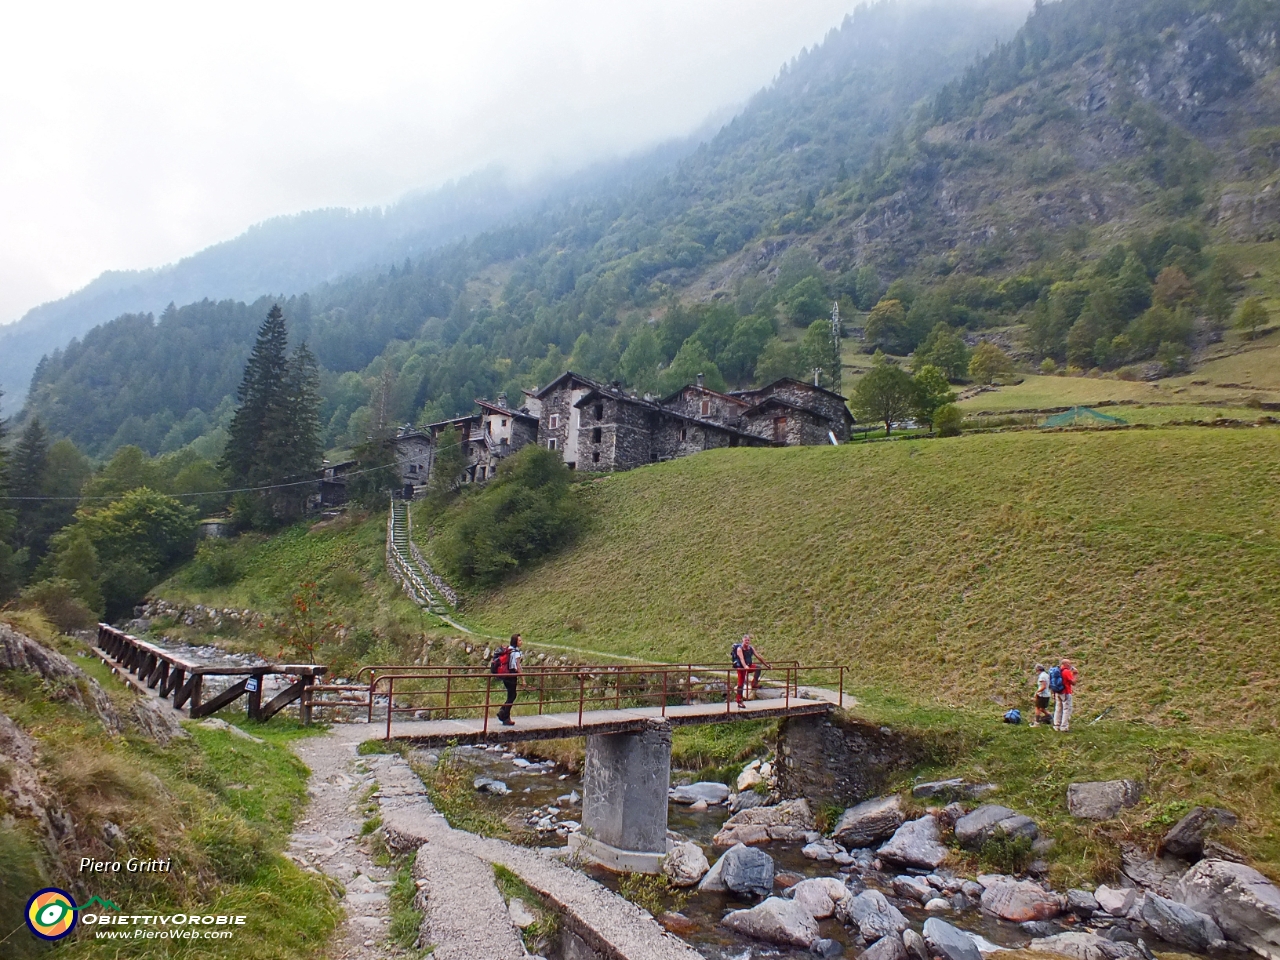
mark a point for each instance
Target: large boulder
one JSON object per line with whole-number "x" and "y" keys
{"x": 913, "y": 888}
{"x": 1079, "y": 945}
{"x": 685, "y": 864}
{"x": 976, "y": 828}
{"x": 707, "y": 790}
{"x": 917, "y": 949}
{"x": 948, "y": 942}
{"x": 916, "y": 844}
{"x": 1186, "y": 839}
{"x": 873, "y": 915}
{"x": 1243, "y": 903}
{"x": 746, "y": 799}
{"x": 1178, "y": 924}
{"x": 775, "y": 920}
{"x": 1102, "y": 800}
{"x": 886, "y": 948}
{"x": 747, "y": 871}
{"x": 789, "y": 820}
{"x": 820, "y": 896}
{"x": 1020, "y": 900}
{"x": 870, "y": 822}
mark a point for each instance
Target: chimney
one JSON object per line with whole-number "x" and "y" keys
{"x": 502, "y": 401}
{"x": 701, "y": 379}
{"x": 817, "y": 372}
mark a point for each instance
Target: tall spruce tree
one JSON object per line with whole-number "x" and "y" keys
{"x": 29, "y": 476}
{"x": 274, "y": 437}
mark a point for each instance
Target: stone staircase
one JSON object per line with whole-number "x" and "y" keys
{"x": 409, "y": 567}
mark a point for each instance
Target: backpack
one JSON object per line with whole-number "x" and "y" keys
{"x": 1056, "y": 683}
{"x": 735, "y": 654}
{"x": 501, "y": 662}
{"x": 1013, "y": 716}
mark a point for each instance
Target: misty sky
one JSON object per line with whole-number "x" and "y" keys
{"x": 133, "y": 134}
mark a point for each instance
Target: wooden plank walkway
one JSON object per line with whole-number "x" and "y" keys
{"x": 440, "y": 733}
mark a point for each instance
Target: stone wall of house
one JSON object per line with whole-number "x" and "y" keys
{"x": 722, "y": 409}
{"x": 831, "y": 407}
{"x": 414, "y": 457}
{"x": 837, "y": 759}
{"x": 626, "y": 435}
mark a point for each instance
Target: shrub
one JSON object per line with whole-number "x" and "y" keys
{"x": 947, "y": 420}
{"x": 56, "y": 599}
{"x": 1006, "y": 854}
{"x": 1048, "y": 367}
{"x": 216, "y": 564}
{"x": 527, "y": 513}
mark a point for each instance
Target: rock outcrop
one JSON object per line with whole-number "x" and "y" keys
{"x": 64, "y": 681}
{"x": 1242, "y": 902}
{"x": 1179, "y": 924}
{"x": 976, "y": 828}
{"x": 1081, "y": 945}
{"x": 1186, "y": 839}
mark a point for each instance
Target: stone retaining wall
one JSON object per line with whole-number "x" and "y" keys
{"x": 837, "y": 759}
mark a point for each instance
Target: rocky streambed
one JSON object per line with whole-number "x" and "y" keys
{"x": 761, "y": 881}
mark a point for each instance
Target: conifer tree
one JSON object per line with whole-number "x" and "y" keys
{"x": 8, "y": 571}
{"x": 260, "y": 391}
{"x": 274, "y": 437}
{"x": 29, "y": 478}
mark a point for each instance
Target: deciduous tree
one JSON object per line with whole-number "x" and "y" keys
{"x": 989, "y": 362}
{"x": 884, "y": 393}
{"x": 1252, "y": 316}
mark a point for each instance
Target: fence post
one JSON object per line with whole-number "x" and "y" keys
{"x": 841, "y": 704}
{"x": 582, "y": 690}
{"x": 488, "y": 687}
{"x": 254, "y": 707}
{"x": 664, "y": 693}
{"x": 391, "y": 690}
{"x": 304, "y": 705}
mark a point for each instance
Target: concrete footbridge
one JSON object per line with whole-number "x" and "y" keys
{"x": 626, "y": 714}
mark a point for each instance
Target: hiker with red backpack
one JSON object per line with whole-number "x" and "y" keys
{"x": 1062, "y": 681}
{"x": 742, "y": 656}
{"x": 506, "y": 664}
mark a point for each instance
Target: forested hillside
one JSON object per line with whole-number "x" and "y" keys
{"x": 510, "y": 305}
{"x": 1068, "y": 194}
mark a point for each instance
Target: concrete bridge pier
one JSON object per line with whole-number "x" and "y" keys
{"x": 624, "y": 799}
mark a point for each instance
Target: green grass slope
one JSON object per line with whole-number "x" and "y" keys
{"x": 942, "y": 570}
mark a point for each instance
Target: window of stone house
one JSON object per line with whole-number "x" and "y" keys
{"x": 595, "y": 435}
{"x": 684, "y": 434}
{"x": 706, "y": 408}
{"x": 554, "y": 422}
{"x": 551, "y": 443}
{"x": 504, "y": 423}
{"x": 595, "y": 457}
{"x": 599, "y": 411}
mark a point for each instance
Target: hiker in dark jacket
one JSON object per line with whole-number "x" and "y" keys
{"x": 509, "y": 671}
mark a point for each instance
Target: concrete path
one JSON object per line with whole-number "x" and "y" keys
{"x": 614, "y": 928}
{"x": 327, "y": 839}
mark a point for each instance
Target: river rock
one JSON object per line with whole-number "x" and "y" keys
{"x": 521, "y": 915}
{"x": 822, "y": 850}
{"x": 913, "y": 888}
{"x": 1102, "y": 800}
{"x": 938, "y": 905}
{"x": 869, "y": 822}
{"x": 1186, "y": 839}
{"x": 1158, "y": 873}
{"x": 972, "y": 889}
{"x": 1243, "y": 903}
{"x": 750, "y": 776}
{"x": 1019, "y": 900}
{"x": 713, "y": 881}
{"x": 1078, "y": 945}
{"x": 709, "y": 791}
{"x": 1117, "y": 901}
{"x": 917, "y": 949}
{"x": 1179, "y": 924}
{"x": 1082, "y": 903}
{"x": 685, "y": 864}
{"x": 949, "y": 943}
{"x": 746, "y": 799}
{"x": 489, "y": 785}
{"x": 915, "y": 844}
{"x": 827, "y": 949}
{"x": 789, "y": 820}
{"x": 974, "y": 829}
{"x": 956, "y": 789}
{"x": 886, "y": 948}
{"x": 747, "y": 871}
{"x": 873, "y": 915}
{"x": 775, "y": 920}
{"x": 820, "y": 896}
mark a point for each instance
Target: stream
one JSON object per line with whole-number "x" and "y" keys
{"x": 535, "y": 788}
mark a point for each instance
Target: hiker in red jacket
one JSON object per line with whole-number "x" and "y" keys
{"x": 1062, "y": 700}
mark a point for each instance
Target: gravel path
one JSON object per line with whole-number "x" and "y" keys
{"x": 328, "y": 840}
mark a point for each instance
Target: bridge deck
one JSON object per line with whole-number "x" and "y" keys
{"x": 439, "y": 733}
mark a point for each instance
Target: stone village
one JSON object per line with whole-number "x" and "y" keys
{"x": 600, "y": 427}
